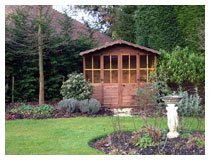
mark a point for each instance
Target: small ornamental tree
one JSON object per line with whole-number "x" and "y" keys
{"x": 76, "y": 87}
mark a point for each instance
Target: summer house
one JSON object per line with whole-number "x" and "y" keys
{"x": 116, "y": 69}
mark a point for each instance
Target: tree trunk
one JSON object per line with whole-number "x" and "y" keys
{"x": 13, "y": 83}
{"x": 41, "y": 71}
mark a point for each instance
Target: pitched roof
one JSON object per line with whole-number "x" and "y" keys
{"x": 78, "y": 27}
{"x": 120, "y": 42}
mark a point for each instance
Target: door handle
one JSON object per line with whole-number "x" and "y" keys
{"x": 123, "y": 85}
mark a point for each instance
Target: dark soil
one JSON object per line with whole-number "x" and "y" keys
{"x": 124, "y": 144}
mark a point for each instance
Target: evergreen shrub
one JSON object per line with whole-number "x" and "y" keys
{"x": 69, "y": 105}
{"x": 181, "y": 66}
{"x": 76, "y": 87}
{"x": 90, "y": 106}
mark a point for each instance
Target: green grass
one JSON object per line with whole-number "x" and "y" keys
{"x": 65, "y": 136}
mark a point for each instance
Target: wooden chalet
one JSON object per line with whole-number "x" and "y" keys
{"x": 116, "y": 69}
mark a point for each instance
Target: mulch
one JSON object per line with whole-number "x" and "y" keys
{"x": 123, "y": 144}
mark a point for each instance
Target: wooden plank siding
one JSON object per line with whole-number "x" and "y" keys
{"x": 118, "y": 94}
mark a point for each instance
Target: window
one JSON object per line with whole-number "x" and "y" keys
{"x": 92, "y": 69}
{"x": 110, "y": 69}
{"x": 146, "y": 67}
{"x": 128, "y": 69}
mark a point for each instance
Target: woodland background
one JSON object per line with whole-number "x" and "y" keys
{"x": 177, "y": 31}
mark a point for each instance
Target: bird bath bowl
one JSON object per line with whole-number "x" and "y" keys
{"x": 172, "y": 114}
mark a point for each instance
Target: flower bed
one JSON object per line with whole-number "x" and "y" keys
{"x": 134, "y": 144}
{"x": 57, "y": 113}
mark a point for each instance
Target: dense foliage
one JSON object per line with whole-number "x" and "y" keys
{"x": 61, "y": 56}
{"x": 181, "y": 66}
{"x": 90, "y": 106}
{"x": 76, "y": 87}
{"x": 157, "y": 27}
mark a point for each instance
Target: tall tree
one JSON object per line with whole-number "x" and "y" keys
{"x": 191, "y": 21}
{"x": 104, "y": 16}
{"x": 157, "y": 27}
{"x": 125, "y": 24}
{"x": 40, "y": 44}
{"x": 28, "y": 35}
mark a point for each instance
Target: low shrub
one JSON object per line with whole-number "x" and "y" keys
{"x": 69, "y": 105}
{"x": 76, "y": 87}
{"x": 145, "y": 141}
{"x": 190, "y": 105}
{"x": 91, "y": 106}
{"x": 150, "y": 94}
{"x": 26, "y": 109}
{"x": 43, "y": 110}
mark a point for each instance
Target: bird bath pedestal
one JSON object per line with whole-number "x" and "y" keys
{"x": 172, "y": 114}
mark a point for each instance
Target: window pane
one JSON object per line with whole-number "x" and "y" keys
{"x": 133, "y": 77}
{"x": 114, "y": 62}
{"x": 125, "y": 62}
{"x": 143, "y": 61}
{"x": 114, "y": 76}
{"x": 151, "y": 60}
{"x": 143, "y": 76}
{"x": 133, "y": 62}
{"x": 106, "y": 76}
{"x": 106, "y": 62}
{"x": 88, "y": 62}
{"x": 96, "y": 62}
{"x": 88, "y": 76}
{"x": 96, "y": 76}
{"x": 125, "y": 77}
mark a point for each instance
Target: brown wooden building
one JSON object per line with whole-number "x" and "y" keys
{"x": 116, "y": 69}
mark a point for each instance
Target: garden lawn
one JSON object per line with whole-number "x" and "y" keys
{"x": 64, "y": 136}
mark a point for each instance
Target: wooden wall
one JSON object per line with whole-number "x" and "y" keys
{"x": 118, "y": 94}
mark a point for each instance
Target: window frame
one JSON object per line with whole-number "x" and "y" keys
{"x": 110, "y": 68}
{"x": 93, "y": 69}
{"x": 129, "y": 69}
{"x": 147, "y": 69}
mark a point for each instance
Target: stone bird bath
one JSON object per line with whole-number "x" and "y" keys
{"x": 172, "y": 114}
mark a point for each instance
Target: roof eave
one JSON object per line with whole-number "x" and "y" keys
{"x": 120, "y": 42}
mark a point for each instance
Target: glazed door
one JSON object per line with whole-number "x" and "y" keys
{"x": 111, "y": 85}
{"x": 129, "y": 80}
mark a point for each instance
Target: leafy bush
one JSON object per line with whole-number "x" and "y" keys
{"x": 76, "y": 87}
{"x": 150, "y": 94}
{"x": 91, "y": 106}
{"x": 45, "y": 110}
{"x": 26, "y": 109}
{"x": 190, "y": 105}
{"x": 181, "y": 65}
{"x": 69, "y": 105}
